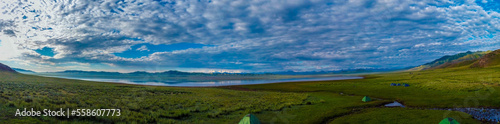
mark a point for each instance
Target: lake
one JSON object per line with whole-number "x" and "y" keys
{"x": 181, "y": 83}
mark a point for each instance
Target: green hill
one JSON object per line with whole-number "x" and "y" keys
{"x": 450, "y": 61}
{"x": 488, "y": 60}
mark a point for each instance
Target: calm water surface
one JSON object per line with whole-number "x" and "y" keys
{"x": 204, "y": 83}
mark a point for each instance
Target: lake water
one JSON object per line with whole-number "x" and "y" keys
{"x": 394, "y": 104}
{"x": 206, "y": 83}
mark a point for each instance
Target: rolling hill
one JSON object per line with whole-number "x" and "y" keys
{"x": 5, "y": 68}
{"x": 488, "y": 60}
{"x": 479, "y": 59}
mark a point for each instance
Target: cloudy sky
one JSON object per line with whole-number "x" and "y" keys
{"x": 240, "y": 35}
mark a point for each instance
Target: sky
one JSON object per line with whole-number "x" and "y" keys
{"x": 241, "y": 35}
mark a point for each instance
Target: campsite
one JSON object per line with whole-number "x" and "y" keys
{"x": 250, "y": 61}
{"x": 297, "y": 102}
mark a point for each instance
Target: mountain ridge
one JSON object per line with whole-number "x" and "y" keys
{"x": 478, "y": 59}
{"x": 490, "y": 59}
{"x": 169, "y": 72}
{"x": 23, "y": 70}
{"x": 5, "y": 68}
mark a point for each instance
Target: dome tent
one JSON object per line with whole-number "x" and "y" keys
{"x": 449, "y": 121}
{"x": 249, "y": 119}
{"x": 366, "y": 99}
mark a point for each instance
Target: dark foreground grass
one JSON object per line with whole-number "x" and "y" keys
{"x": 141, "y": 104}
{"x": 294, "y": 102}
{"x": 402, "y": 116}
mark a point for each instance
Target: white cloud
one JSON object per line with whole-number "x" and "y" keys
{"x": 272, "y": 34}
{"x": 8, "y": 49}
{"x": 143, "y": 48}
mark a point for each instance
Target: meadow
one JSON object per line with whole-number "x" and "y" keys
{"x": 292, "y": 102}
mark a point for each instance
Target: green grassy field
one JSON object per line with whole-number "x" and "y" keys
{"x": 293, "y": 102}
{"x": 401, "y": 116}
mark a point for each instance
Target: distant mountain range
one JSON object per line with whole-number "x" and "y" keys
{"x": 175, "y": 72}
{"x": 170, "y": 72}
{"x": 23, "y": 70}
{"x": 344, "y": 71}
{"x": 479, "y": 59}
{"x": 5, "y": 68}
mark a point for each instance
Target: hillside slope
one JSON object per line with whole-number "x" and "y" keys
{"x": 457, "y": 60}
{"x": 5, "y": 68}
{"x": 488, "y": 60}
{"x": 468, "y": 60}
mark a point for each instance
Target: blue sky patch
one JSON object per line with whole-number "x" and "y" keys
{"x": 46, "y": 51}
{"x": 145, "y": 49}
{"x": 489, "y": 5}
{"x": 300, "y": 35}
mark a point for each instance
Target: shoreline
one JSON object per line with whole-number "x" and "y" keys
{"x": 221, "y": 83}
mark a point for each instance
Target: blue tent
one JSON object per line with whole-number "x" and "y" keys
{"x": 406, "y": 85}
{"x": 399, "y": 84}
{"x": 393, "y": 84}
